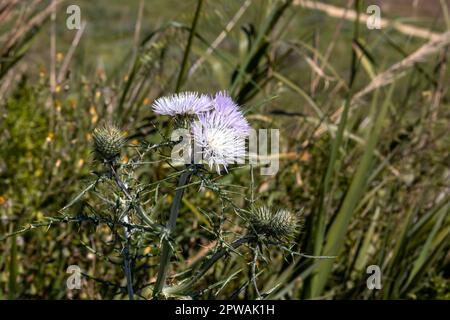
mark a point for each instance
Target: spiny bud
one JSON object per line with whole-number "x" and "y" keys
{"x": 278, "y": 224}
{"x": 108, "y": 142}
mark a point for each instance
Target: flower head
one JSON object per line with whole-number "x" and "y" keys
{"x": 218, "y": 144}
{"x": 226, "y": 112}
{"x": 220, "y": 133}
{"x": 187, "y": 103}
{"x": 108, "y": 142}
{"x": 278, "y": 224}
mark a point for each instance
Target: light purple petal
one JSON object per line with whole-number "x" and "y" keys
{"x": 189, "y": 103}
{"x": 220, "y": 133}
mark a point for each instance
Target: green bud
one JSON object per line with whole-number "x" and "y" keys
{"x": 278, "y": 224}
{"x": 108, "y": 142}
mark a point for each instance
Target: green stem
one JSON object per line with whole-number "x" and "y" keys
{"x": 261, "y": 37}
{"x": 188, "y": 46}
{"x": 166, "y": 251}
{"x": 253, "y": 270}
{"x": 12, "y": 285}
{"x": 139, "y": 210}
{"x": 208, "y": 264}
{"x": 126, "y": 250}
{"x": 127, "y": 266}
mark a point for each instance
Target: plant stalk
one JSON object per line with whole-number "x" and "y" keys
{"x": 136, "y": 207}
{"x": 127, "y": 263}
{"x": 126, "y": 250}
{"x": 208, "y": 264}
{"x": 166, "y": 251}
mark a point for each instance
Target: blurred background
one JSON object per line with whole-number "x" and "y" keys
{"x": 364, "y": 123}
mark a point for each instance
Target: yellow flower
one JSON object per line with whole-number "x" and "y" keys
{"x": 50, "y": 136}
{"x": 93, "y": 113}
{"x": 147, "y": 250}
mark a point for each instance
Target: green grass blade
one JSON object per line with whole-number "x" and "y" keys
{"x": 188, "y": 46}
{"x": 260, "y": 39}
{"x": 336, "y": 235}
{"x": 423, "y": 256}
{"x": 363, "y": 254}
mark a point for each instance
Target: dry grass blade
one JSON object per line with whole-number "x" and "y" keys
{"x": 36, "y": 20}
{"x": 393, "y": 73}
{"x": 68, "y": 58}
{"x": 216, "y": 43}
{"x": 398, "y": 70}
{"x": 341, "y": 13}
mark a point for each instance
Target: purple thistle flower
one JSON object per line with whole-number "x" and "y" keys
{"x": 218, "y": 144}
{"x": 220, "y": 133}
{"x": 226, "y": 112}
{"x": 188, "y": 103}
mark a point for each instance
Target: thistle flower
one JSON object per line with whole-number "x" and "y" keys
{"x": 220, "y": 133}
{"x": 185, "y": 103}
{"x": 108, "y": 142}
{"x": 226, "y": 112}
{"x": 218, "y": 144}
{"x": 278, "y": 224}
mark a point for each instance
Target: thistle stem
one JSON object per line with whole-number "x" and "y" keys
{"x": 127, "y": 263}
{"x": 136, "y": 207}
{"x": 166, "y": 251}
{"x": 126, "y": 250}
{"x": 209, "y": 263}
{"x": 253, "y": 271}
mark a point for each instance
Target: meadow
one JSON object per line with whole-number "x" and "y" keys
{"x": 364, "y": 150}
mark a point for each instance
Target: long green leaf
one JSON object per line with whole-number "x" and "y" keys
{"x": 420, "y": 261}
{"x": 336, "y": 235}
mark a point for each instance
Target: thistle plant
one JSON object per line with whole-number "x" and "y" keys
{"x": 121, "y": 198}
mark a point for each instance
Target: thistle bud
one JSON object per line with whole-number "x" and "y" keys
{"x": 278, "y": 224}
{"x": 108, "y": 142}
